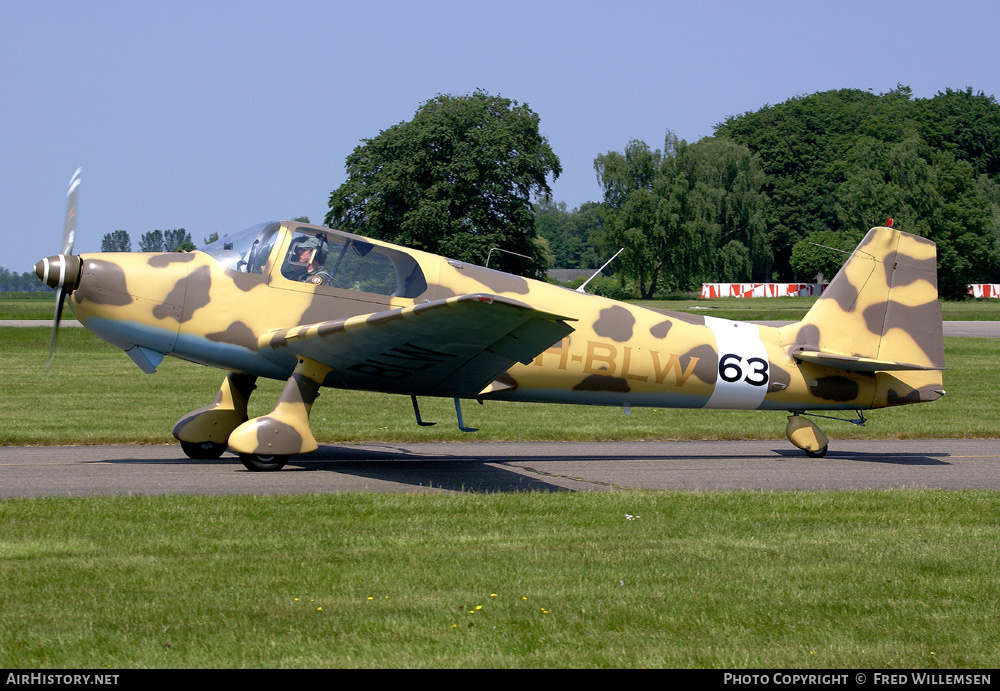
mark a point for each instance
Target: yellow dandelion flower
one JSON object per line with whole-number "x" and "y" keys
{"x": 370, "y": 597}
{"x": 478, "y": 607}
{"x": 319, "y": 609}
{"x": 493, "y": 594}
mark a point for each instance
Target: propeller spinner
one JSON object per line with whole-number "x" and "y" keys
{"x": 62, "y": 271}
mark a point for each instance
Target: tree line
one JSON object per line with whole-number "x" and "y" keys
{"x": 772, "y": 195}
{"x": 174, "y": 240}
{"x": 776, "y": 192}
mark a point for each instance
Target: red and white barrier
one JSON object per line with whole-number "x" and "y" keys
{"x": 985, "y": 290}
{"x": 760, "y": 290}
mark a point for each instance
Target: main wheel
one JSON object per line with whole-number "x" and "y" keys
{"x": 258, "y": 463}
{"x": 817, "y": 454}
{"x": 202, "y": 450}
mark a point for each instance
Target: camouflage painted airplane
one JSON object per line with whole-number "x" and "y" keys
{"x": 320, "y": 307}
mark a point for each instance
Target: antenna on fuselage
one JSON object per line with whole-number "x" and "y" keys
{"x": 584, "y": 284}
{"x": 498, "y": 249}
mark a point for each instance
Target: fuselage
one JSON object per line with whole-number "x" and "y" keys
{"x": 217, "y": 308}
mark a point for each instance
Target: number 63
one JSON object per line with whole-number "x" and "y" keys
{"x": 731, "y": 368}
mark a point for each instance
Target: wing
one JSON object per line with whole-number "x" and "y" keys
{"x": 452, "y": 347}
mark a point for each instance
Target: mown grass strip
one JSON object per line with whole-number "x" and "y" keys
{"x": 95, "y": 394}
{"x": 617, "y": 579}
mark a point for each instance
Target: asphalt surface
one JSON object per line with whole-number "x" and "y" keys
{"x": 507, "y": 467}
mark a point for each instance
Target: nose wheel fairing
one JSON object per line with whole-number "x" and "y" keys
{"x": 214, "y": 423}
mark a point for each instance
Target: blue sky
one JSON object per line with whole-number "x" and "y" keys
{"x": 216, "y": 115}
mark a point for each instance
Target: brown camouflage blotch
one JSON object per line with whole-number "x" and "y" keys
{"x": 842, "y": 292}
{"x": 615, "y": 323}
{"x": 602, "y": 382}
{"x": 835, "y": 388}
{"x": 893, "y": 397}
{"x": 333, "y": 328}
{"x": 236, "y": 333}
{"x": 778, "y": 376}
{"x": 910, "y": 270}
{"x": 807, "y": 335}
{"x": 105, "y": 284}
{"x": 277, "y": 339}
{"x": 661, "y": 330}
{"x": 276, "y": 437}
{"x": 321, "y": 308}
{"x": 920, "y": 321}
{"x": 244, "y": 281}
{"x": 159, "y": 261}
{"x": 496, "y": 281}
{"x": 707, "y": 367}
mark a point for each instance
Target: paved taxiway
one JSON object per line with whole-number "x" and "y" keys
{"x": 502, "y": 467}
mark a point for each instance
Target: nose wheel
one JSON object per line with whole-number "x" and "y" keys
{"x": 203, "y": 450}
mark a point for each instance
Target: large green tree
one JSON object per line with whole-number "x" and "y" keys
{"x": 684, "y": 215}
{"x": 457, "y": 180}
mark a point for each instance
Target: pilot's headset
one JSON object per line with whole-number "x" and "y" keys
{"x": 317, "y": 245}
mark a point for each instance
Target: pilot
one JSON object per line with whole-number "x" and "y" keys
{"x": 305, "y": 259}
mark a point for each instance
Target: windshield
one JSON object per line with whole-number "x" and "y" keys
{"x": 247, "y": 250}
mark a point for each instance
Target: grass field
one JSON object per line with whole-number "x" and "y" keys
{"x": 95, "y": 394}
{"x": 899, "y": 579}
{"x": 860, "y": 579}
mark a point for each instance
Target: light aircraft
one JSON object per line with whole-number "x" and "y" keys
{"x": 319, "y": 307}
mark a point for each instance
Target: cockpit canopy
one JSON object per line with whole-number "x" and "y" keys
{"x": 336, "y": 260}
{"x": 247, "y": 250}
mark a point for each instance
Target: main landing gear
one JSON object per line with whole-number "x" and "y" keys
{"x": 263, "y": 443}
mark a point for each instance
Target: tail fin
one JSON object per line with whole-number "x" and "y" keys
{"x": 880, "y": 314}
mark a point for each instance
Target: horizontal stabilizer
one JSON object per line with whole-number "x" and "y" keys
{"x": 849, "y": 363}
